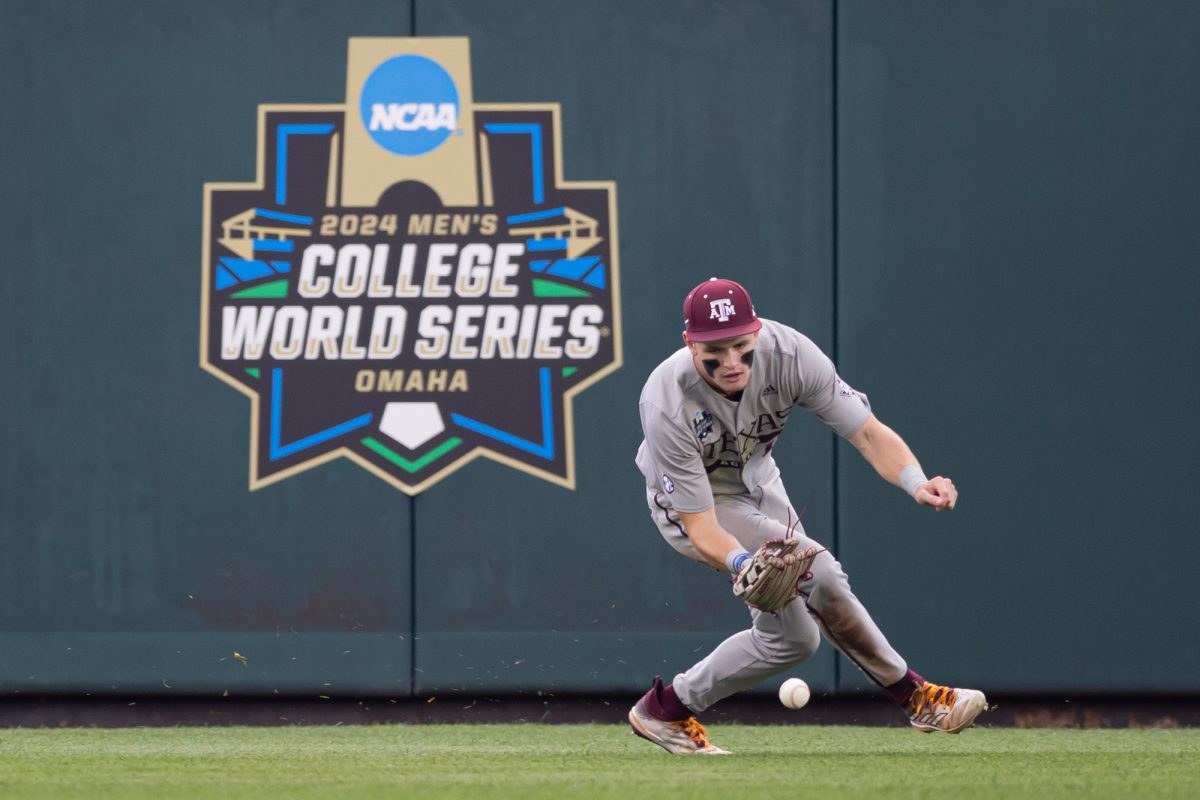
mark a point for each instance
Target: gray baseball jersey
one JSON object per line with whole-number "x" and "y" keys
{"x": 699, "y": 443}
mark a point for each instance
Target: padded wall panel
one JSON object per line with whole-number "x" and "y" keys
{"x": 135, "y": 558}
{"x": 1017, "y": 291}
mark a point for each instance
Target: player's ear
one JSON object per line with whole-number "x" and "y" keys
{"x": 686, "y": 343}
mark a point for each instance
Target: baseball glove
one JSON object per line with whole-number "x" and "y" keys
{"x": 768, "y": 580}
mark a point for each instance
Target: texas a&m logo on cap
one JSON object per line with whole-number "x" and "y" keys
{"x": 718, "y": 309}
{"x": 722, "y": 309}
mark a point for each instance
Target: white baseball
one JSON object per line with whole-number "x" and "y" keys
{"x": 794, "y": 693}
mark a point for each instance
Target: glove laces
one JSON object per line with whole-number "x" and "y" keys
{"x": 791, "y": 526}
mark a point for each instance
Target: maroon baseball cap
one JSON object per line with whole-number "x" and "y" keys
{"x": 718, "y": 309}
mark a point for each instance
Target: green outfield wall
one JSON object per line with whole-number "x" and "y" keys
{"x": 985, "y": 212}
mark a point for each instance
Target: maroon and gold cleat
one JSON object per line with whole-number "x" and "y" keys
{"x": 683, "y": 737}
{"x": 943, "y": 708}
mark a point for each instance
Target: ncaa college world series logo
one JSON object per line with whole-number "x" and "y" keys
{"x": 410, "y": 283}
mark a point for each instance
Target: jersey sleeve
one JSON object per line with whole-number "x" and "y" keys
{"x": 672, "y": 457}
{"x": 820, "y": 390}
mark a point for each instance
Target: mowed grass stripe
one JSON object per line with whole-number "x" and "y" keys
{"x": 584, "y": 761}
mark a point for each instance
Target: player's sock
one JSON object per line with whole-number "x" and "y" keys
{"x": 900, "y": 691}
{"x": 662, "y": 703}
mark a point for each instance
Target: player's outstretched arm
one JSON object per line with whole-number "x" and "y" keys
{"x": 717, "y": 545}
{"x": 884, "y": 450}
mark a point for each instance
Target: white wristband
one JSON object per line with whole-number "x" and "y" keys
{"x": 912, "y": 478}
{"x": 734, "y": 559}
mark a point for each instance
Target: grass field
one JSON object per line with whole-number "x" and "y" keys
{"x": 555, "y": 761}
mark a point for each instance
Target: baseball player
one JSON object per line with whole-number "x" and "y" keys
{"x": 711, "y": 413}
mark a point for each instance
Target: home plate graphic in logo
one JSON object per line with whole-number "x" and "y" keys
{"x": 410, "y": 283}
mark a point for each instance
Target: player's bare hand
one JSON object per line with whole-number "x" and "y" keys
{"x": 938, "y": 492}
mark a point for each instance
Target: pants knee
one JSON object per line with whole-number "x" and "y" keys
{"x": 792, "y": 638}
{"x": 790, "y": 650}
{"x": 802, "y": 649}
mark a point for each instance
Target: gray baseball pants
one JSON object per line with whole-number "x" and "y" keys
{"x": 777, "y": 642}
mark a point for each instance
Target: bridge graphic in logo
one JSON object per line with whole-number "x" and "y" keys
{"x": 410, "y": 283}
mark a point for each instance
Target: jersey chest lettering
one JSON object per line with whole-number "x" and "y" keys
{"x": 722, "y": 447}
